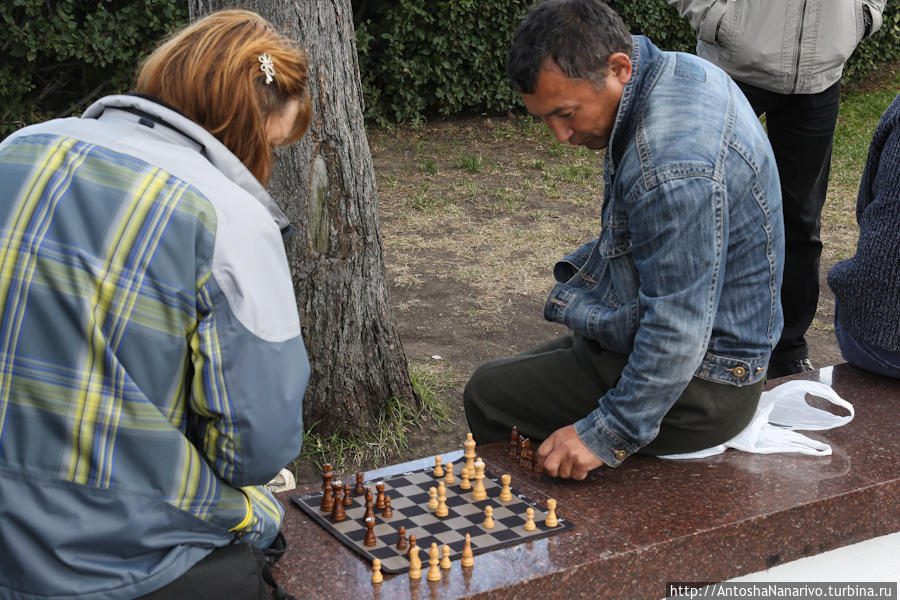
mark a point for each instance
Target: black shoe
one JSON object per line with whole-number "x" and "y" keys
{"x": 801, "y": 365}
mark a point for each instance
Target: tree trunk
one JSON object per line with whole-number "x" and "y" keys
{"x": 326, "y": 186}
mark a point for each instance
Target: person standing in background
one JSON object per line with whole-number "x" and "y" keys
{"x": 787, "y": 57}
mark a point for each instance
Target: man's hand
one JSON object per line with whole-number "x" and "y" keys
{"x": 563, "y": 454}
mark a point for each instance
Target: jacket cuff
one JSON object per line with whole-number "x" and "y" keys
{"x": 606, "y": 445}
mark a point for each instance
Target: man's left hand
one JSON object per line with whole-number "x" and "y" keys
{"x": 563, "y": 454}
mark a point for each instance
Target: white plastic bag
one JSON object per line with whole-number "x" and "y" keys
{"x": 781, "y": 411}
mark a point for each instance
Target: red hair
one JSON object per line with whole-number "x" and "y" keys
{"x": 210, "y": 71}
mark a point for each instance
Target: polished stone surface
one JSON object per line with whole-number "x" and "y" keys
{"x": 651, "y": 521}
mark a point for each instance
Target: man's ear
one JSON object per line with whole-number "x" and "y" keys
{"x": 620, "y": 66}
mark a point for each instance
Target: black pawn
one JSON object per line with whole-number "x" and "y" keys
{"x": 401, "y": 539}
{"x": 327, "y": 500}
{"x": 360, "y": 488}
{"x": 348, "y": 501}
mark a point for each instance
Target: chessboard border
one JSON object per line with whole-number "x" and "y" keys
{"x": 298, "y": 499}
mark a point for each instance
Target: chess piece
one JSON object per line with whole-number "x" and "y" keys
{"x": 445, "y": 557}
{"x": 337, "y": 511}
{"x": 529, "y": 519}
{"x": 432, "y": 498}
{"x": 442, "y": 510}
{"x": 464, "y": 483}
{"x": 468, "y": 559}
{"x": 449, "y": 479}
{"x": 348, "y": 501}
{"x": 387, "y": 513}
{"x": 415, "y": 563}
{"x": 524, "y": 448}
{"x": 469, "y": 454}
{"x": 536, "y": 464}
{"x": 370, "y": 532}
{"x": 412, "y": 542}
{"x": 327, "y": 474}
{"x": 438, "y": 469}
{"x": 478, "y": 490}
{"x": 401, "y": 539}
{"x": 505, "y": 492}
{"x": 514, "y": 443}
{"x": 360, "y": 488}
{"x": 434, "y": 572}
{"x": 551, "y": 520}
{"x": 327, "y": 497}
{"x": 368, "y": 495}
{"x": 370, "y": 509}
{"x": 488, "y": 517}
{"x": 379, "y": 501}
{"x": 377, "y": 577}
{"x": 441, "y": 489}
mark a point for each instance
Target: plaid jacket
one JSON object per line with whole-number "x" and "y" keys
{"x": 151, "y": 362}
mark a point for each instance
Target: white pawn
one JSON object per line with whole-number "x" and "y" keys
{"x": 376, "y": 571}
{"x": 464, "y": 483}
{"x": 488, "y": 517}
{"x": 529, "y": 519}
{"x": 438, "y": 469}
{"x": 432, "y": 498}
{"x": 449, "y": 479}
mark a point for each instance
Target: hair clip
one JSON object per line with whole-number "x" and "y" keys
{"x": 266, "y": 66}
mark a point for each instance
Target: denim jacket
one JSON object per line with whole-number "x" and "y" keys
{"x": 686, "y": 273}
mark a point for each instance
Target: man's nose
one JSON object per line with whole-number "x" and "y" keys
{"x": 562, "y": 131}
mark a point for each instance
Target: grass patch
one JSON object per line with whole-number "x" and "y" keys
{"x": 468, "y": 162}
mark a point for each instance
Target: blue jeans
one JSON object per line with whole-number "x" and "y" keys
{"x": 866, "y": 356}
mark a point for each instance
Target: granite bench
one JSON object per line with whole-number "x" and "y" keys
{"x": 651, "y": 521}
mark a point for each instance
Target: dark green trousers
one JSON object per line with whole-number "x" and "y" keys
{"x": 560, "y": 382}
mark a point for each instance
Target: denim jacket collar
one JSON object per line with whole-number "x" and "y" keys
{"x": 646, "y": 65}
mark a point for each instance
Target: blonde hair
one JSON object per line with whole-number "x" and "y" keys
{"x": 210, "y": 71}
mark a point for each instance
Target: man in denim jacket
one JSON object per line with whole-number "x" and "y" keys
{"x": 674, "y": 309}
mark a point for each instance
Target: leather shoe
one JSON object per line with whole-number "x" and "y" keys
{"x": 801, "y": 365}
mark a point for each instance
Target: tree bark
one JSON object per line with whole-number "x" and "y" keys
{"x": 326, "y": 186}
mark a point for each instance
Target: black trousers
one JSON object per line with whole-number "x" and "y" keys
{"x": 801, "y": 131}
{"x": 234, "y": 572}
{"x": 560, "y": 382}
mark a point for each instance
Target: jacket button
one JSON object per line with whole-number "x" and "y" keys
{"x": 620, "y": 454}
{"x": 739, "y": 372}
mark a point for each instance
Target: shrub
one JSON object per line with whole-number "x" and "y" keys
{"x": 423, "y": 57}
{"x": 57, "y": 57}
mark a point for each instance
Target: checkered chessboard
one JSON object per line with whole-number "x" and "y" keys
{"x": 409, "y": 502}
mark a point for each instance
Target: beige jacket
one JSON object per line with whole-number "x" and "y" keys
{"x": 785, "y": 46}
